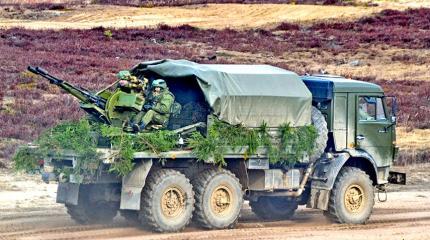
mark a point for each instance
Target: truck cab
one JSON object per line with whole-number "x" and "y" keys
{"x": 358, "y": 119}
{"x": 361, "y": 127}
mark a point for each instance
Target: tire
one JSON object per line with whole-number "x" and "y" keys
{"x": 274, "y": 208}
{"x": 219, "y": 199}
{"x": 351, "y": 182}
{"x": 92, "y": 212}
{"x": 319, "y": 122}
{"x": 167, "y": 201}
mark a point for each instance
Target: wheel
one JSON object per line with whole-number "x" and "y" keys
{"x": 274, "y": 208}
{"x": 352, "y": 197}
{"x": 167, "y": 201}
{"x": 319, "y": 122}
{"x": 131, "y": 216}
{"x": 219, "y": 199}
{"x": 92, "y": 212}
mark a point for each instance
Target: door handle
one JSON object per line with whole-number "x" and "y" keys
{"x": 382, "y": 130}
{"x": 360, "y": 137}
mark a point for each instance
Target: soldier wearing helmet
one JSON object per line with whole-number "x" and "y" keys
{"x": 129, "y": 82}
{"x": 158, "y": 110}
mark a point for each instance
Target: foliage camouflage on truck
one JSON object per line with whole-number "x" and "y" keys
{"x": 82, "y": 138}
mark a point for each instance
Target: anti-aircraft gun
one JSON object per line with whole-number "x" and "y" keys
{"x": 111, "y": 105}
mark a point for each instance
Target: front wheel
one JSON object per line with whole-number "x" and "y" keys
{"x": 352, "y": 197}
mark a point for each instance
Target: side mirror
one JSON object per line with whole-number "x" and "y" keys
{"x": 391, "y": 102}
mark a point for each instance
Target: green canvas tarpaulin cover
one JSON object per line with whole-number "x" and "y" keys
{"x": 242, "y": 94}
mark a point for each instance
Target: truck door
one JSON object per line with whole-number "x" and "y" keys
{"x": 373, "y": 132}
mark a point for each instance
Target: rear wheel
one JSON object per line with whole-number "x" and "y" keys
{"x": 167, "y": 201}
{"x": 92, "y": 212}
{"x": 219, "y": 199}
{"x": 274, "y": 208}
{"x": 352, "y": 197}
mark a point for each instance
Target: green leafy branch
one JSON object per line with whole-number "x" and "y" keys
{"x": 76, "y": 136}
{"x": 288, "y": 145}
{"x": 128, "y": 144}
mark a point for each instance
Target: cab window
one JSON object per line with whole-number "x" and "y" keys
{"x": 370, "y": 109}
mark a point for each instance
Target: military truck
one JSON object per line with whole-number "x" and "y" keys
{"x": 353, "y": 152}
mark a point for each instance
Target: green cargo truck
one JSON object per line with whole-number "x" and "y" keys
{"x": 353, "y": 151}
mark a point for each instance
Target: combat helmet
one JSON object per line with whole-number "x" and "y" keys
{"x": 123, "y": 75}
{"x": 159, "y": 83}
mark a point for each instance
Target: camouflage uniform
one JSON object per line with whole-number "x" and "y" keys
{"x": 159, "y": 112}
{"x": 129, "y": 82}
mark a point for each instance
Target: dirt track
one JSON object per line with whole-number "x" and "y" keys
{"x": 203, "y": 16}
{"x": 28, "y": 211}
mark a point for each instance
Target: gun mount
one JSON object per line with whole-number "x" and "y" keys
{"x": 111, "y": 105}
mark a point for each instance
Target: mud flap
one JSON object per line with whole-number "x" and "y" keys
{"x": 68, "y": 193}
{"x": 132, "y": 185}
{"x": 319, "y": 199}
{"x": 323, "y": 178}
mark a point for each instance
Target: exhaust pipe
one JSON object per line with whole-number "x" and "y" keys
{"x": 302, "y": 185}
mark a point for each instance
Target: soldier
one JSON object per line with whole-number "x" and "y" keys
{"x": 129, "y": 82}
{"x": 363, "y": 110}
{"x": 159, "y": 109}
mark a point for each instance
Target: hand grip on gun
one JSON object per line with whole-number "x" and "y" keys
{"x": 148, "y": 106}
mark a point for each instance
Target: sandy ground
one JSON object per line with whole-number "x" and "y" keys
{"x": 204, "y": 16}
{"x": 28, "y": 211}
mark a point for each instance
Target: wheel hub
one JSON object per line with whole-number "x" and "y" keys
{"x": 173, "y": 202}
{"x": 354, "y": 198}
{"x": 221, "y": 200}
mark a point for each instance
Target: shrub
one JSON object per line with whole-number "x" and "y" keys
{"x": 85, "y": 58}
